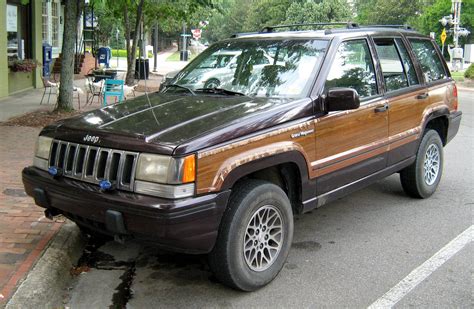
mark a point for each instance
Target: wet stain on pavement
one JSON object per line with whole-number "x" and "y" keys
{"x": 123, "y": 291}
{"x": 306, "y": 245}
{"x": 180, "y": 269}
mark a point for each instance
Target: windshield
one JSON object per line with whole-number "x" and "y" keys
{"x": 269, "y": 68}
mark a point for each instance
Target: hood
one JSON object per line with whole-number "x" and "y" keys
{"x": 166, "y": 122}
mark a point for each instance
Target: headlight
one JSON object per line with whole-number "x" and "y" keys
{"x": 43, "y": 146}
{"x": 165, "y": 176}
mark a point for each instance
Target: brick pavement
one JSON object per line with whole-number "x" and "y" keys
{"x": 24, "y": 231}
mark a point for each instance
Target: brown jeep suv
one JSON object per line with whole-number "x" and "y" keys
{"x": 256, "y": 129}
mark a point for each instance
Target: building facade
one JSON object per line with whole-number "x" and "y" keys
{"x": 26, "y": 25}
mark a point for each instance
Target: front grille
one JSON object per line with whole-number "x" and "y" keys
{"x": 93, "y": 164}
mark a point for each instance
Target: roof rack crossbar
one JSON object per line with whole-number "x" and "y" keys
{"x": 349, "y": 25}
{"x": 406, "y": 27}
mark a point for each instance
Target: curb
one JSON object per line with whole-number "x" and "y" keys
{"x": 44, "y": 286}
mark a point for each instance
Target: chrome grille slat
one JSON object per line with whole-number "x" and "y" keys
{"x": 72, "y": 157}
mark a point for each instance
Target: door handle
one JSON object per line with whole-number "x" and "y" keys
{"x": 422, "y": 96}
{"x": 381, "y": 109}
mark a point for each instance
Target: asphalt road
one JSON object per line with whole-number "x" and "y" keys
{"x": 346, "y": 254}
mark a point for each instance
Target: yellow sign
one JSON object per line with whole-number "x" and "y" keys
{"x": 443, "y": 36}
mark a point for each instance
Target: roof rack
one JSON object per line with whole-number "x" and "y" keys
{"x": 349, "y": 25}
{"x": 406, "y": 27}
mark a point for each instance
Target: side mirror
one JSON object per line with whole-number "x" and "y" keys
{"x": 341, "y": 99}
{"x": 233, "y": 65}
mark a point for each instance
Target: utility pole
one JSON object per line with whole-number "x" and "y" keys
{"x": 184, "y": 49}
{"x": 155, "y": 48}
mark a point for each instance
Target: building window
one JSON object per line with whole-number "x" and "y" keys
{"x": 45, "y": 21}
{"x": 18, "y": 27}
{"x": 55, "y": 23}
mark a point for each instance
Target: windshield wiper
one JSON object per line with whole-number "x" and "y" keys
{"x": 179, "y": 86}
{"x": 220, "y": 91}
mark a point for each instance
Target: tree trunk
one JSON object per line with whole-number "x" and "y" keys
{"x": 67, "y": 56}
{"x": 131, "y": 51}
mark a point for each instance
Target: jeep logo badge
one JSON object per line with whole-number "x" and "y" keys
{"x": 90, "y": 138}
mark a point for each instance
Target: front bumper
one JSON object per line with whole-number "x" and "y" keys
{"x": 453, "y": 125}
{"x": 187, "y": 225}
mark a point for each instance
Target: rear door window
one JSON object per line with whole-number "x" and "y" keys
{"x": 397, "y": 68}
{"x": 353, "y": 68}
{"x": 431, "y": 64}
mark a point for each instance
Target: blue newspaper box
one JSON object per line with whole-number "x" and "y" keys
{"x": 104, "y": 54}
{"x": 47, "y": 59}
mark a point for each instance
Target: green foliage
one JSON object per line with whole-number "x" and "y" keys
{"x": 387, "y": 12}
{"x": 119, "y": 52}
{"x": 469, "y": 72}
{"x": 318, "y": 11}
{"x": 233, "y": 16}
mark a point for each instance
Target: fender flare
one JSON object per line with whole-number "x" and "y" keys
{"x": 291, "y": 156}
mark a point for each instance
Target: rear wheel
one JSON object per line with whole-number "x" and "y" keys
{"x": 422, "y": 177}
{"x": 255, "y": 236}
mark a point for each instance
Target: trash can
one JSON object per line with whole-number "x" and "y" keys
{"x": 47, "y": 59}
{"x": 104, "y": 54}
{"x": 142, "y": 68}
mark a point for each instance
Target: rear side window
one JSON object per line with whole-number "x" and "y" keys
{"x": 430, "y": 62}
{"x": 397, "y": 68}
{"x": 352, "y": 67}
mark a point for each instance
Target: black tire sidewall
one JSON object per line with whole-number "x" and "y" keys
{"x": 431, "y": 137}
{"x": 212, "y": 81}
{"x": 266, "y": 194}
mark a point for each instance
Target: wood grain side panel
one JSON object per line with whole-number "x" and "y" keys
{"x": 406, "y": 112}
{"x": 349, "y": 137}
{"x": 215, "y": 164}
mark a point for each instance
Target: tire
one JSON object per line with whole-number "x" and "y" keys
{"x": 212, "y": 83}
{"x": 416, "y": 180}
{"x": 244, "y": 268}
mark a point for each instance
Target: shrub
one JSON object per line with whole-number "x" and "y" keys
{"x": 469, "y": 72}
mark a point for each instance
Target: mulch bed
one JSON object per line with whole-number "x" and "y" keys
{"x": 39, "y": 118}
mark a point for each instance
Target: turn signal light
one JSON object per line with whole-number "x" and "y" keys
{"x": 189, "y": 169}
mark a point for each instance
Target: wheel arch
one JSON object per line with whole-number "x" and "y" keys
{"x": 438, "y": 120}
{"x": 288, "y": 170}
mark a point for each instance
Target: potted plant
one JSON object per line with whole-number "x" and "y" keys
{"x": 25, "y": 65}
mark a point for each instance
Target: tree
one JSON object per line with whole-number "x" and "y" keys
{"x": 72, "y": 10}
{"x": 387, "y": 12}
{"x": 318, "y": 11}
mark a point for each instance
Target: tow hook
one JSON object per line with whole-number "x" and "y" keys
{"x": 53, "y": 215}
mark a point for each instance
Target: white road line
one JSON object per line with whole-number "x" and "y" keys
{"x": 389, "y": 299}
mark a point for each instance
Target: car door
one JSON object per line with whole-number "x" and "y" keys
{"x": 351, "y": 144}
{"x": 440, "y": 87}
{"x": 406, "y": 97}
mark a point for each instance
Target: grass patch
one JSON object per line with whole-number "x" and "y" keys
{"x": 458, "y": 76}
{"x": 175, "y": 57}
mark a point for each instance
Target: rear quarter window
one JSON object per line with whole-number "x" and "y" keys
{"x": 430, "y": 62}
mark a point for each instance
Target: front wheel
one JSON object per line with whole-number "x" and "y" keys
{"x": 421, "y": 179}
{"x": 212, "y": 83}
{"x": 255, "y": 236}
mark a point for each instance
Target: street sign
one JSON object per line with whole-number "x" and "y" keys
{"x": 196, "y": 33}
{"x": 443, "y": 36}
